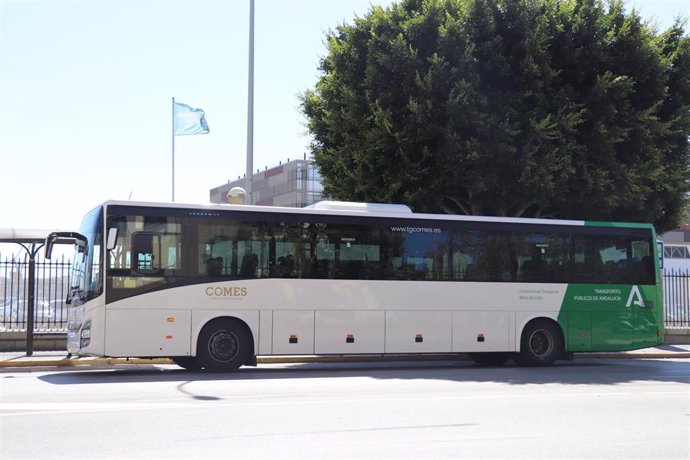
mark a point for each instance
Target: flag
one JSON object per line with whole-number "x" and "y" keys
{"x": 188, "y": 120}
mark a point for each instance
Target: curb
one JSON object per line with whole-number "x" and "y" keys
{"x": 75, "y": 362}
{"x": 633, "y": 355}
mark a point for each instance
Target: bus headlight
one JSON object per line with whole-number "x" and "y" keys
{"x": 73, "y": 326}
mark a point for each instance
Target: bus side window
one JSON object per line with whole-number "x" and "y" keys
{"x": 214, "y": 266}
{"x": 642, "y": 254}
{"x": 249, "y": 266}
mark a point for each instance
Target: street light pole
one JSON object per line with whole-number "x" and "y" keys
{"x": 250, "y": 110}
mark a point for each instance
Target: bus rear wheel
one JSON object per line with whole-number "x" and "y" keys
{"x": 541, "y": 344}
{"x": 224, "y": 345}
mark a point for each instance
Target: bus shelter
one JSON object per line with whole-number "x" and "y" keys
{"x": 31, "y": 241}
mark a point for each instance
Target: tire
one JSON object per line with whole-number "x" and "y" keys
{"x": 491, "y": 359}
{"x": 224, "y": 345}
{"x": 187, "y": 362}
{"x": 541, "y": 343}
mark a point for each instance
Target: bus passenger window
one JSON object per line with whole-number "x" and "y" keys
{"x": 249, "y": 265}
{"x": 214, "y": 266}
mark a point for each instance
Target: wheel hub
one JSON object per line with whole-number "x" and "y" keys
{"x": 223, "y": 346}
{"x": 541, "y": 343}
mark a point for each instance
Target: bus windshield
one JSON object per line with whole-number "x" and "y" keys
{"x": 86, "y": 280}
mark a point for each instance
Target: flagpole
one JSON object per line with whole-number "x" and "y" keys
{"x": 173, "y": 149}
{"x": 250, "y": 109}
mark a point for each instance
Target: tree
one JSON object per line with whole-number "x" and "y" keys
{"x": 571, "y": 109}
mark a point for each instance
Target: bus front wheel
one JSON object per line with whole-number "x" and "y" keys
{"x": 541, "y": 343}
{"x": 224, "y": 345}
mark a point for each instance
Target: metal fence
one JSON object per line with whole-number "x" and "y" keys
{"x": 52, "y": 284}
{"x": 677, "y": 298}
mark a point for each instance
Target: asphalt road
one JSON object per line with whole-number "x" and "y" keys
{"x": 584, "y": 409}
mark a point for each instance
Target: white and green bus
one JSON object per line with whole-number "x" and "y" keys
{"x": 215, "y": 286}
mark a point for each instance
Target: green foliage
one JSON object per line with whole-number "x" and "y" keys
{"x": 572, "y": 109}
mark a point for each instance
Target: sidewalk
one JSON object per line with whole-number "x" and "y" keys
{"x": 60, "y": 358}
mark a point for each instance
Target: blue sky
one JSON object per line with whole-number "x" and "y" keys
{"x": 86, "y": 88}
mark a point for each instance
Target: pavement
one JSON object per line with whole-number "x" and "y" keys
{"x": 14, "y": 359}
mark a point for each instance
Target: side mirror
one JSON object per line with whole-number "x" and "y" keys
{"x": 112, "y": 239}
{"x": 65, "y": 237}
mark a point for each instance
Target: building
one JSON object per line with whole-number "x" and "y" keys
{"x": 679, "y": 235}
{"x": 296, "y": 183}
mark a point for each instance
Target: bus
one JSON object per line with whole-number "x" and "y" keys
{"x": 214, "y": 286}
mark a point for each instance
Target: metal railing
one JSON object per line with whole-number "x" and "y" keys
{"x": 677, "y": 298}
{"x": 52, "y": 284}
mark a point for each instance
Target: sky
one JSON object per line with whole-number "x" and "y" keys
{"x": 86, "y": 92}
